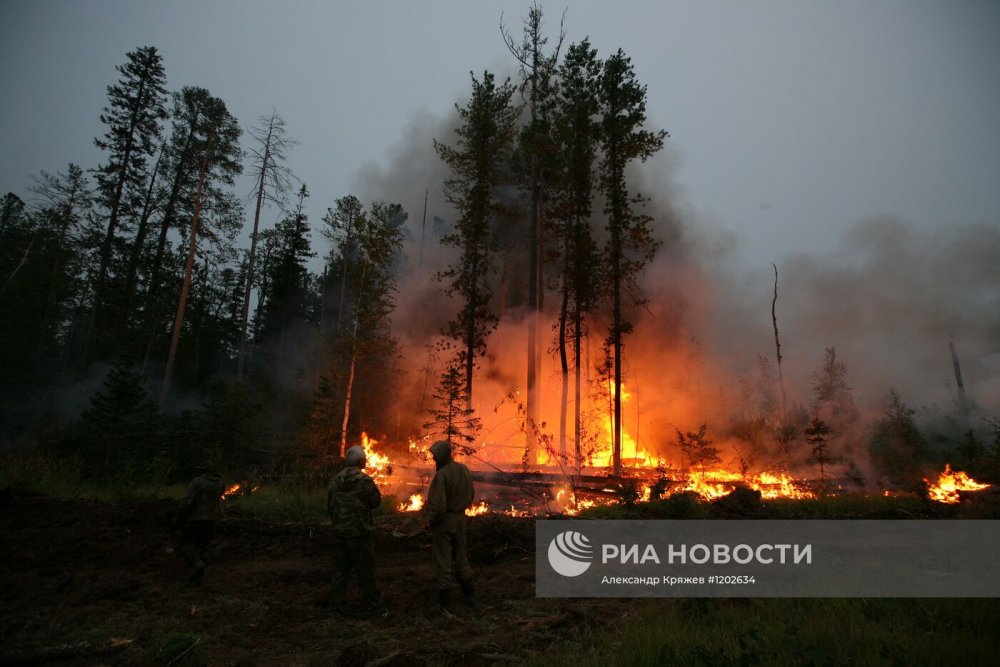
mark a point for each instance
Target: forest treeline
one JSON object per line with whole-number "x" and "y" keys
{"x": 126, "y": 293}
{"x": 140, "y": 330}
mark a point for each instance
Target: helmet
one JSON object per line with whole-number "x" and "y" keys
{"x": 355, "y": 456}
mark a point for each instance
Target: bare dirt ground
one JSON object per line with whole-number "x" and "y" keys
{"x": 80, "y": 571}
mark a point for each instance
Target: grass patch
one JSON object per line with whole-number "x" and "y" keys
{"x": 794, "y": 631}
{"x": 283, "y": 501}
{"x": 63, "y": 478}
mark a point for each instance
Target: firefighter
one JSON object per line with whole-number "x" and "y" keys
{"x": 196, "y": 517}
{"x": 350, "y": 500}
{"x": 450, "y": 493}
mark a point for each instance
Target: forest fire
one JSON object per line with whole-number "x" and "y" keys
{"x": 232, "y": 490}
{"x": 476, "y": 510}
{"x": 414, "y": 504}
{"x": 949, "y": 485}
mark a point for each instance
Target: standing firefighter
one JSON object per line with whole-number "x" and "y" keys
{"x": 450, "y": 493}
{"x": 350, "y": 501}
{"x": 197, "y": 516}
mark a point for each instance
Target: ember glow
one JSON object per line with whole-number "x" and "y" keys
{"x": 949, "y": 484}
{"x": 230, "y": 491}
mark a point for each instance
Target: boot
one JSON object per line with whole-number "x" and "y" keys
{"x": 468, "y": 593}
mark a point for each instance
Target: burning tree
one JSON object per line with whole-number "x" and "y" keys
{"x": 576, "y": 133}
{"x": 631, "y": 244}
{"x": 452, "y": 418}
{"x": 698, "y": 448}
{"x": 365, "y": 258}
{"x": 477, "y": 161}
{"x": 538, "y": 70}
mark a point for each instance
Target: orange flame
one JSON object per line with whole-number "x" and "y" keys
{"x": 948, "y": 485}
{"x": 230, "y": 491}
{"x": 415, "y": 504}
{"x": 476, "y": 510}
{"x": 377, "y": 465}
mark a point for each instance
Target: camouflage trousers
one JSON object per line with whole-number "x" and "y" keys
{"x": 354, "y": 555}
{"x": 449, "y": 549}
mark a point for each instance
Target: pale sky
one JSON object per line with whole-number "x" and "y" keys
{"x": 789, "y": 120}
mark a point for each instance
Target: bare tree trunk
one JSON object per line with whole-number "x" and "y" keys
{"x": 963, "y": 399}
{"x": 188, "y": 270}
{"x": 347, "y": 401}
{"x": 423, "y": 227}
{"x": 563, "y": 360}
{"x": 241, "y": 355}
{"x": 777, "y": 346}
{"x": 577, "y": 407}
{"x": 534, "y": 269}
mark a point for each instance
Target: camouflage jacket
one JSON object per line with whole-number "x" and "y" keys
{"x": 350, "y": 500}
{"x": 202, "y": 500}
{"x": 451, "y": 490}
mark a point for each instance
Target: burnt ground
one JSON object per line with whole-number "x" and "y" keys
{"x": 74, "y": 571}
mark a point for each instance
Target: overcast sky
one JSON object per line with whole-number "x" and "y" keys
{"x": 789, "y": 121}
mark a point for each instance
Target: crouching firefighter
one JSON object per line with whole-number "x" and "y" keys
{"x": 196, "y": 517}
{"x": 450, "y": 493}
{"x": 350, "y": 500}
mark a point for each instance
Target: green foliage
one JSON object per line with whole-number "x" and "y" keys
{"x": 896, "y": 444}
{"x": 117, "y": 434}
{"x": 65, "y": 477}
{"x": 289, "y": 295}
{"x": 291, "y": 500}
{"x": 816, "y": 436}
{"x": 697, "y": 448}
{"x": 452, "y": 420}
{"x": 476, "y": 161}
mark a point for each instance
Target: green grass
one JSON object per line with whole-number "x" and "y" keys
{"x": 794, "y": 632}
{"x": 63, "y": 478}
{"x": 283, "y": 501}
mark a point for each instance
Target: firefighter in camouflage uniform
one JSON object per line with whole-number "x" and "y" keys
{"x": 450, "y": 493}
{"x": 350, "y": 500}
{"x": 196, "y": 517}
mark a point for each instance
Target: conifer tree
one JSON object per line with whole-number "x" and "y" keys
{"x": 216, "y": 136}
{"x": 476, "y": 161}
{"x": 136, "y": 106}
{"x": 631, "y": 243}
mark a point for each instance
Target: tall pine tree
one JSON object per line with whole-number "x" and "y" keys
{"x": 136, "y": 106}
{"x": 476, "y": 161}
{"x": 631, "y": 244}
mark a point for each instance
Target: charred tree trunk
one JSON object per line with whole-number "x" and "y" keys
{"x": 963, "y": 400}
